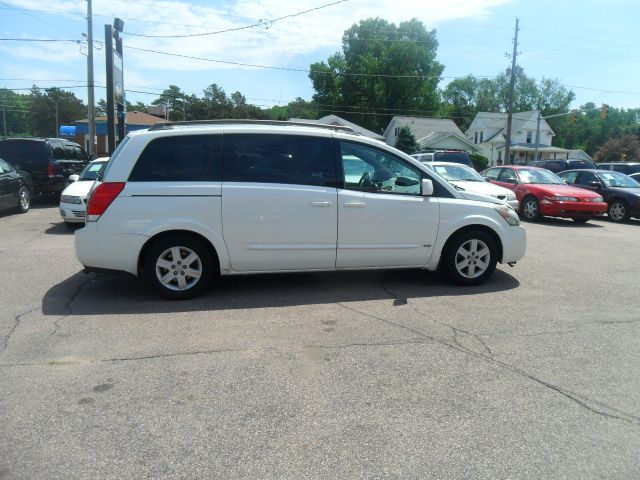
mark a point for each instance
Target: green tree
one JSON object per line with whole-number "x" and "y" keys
{"x": 381, "y": 66}
{"x": 299, "y": 108}
{"x": 53, "y": 106}
{"x": 406, "y": 141}
{"x": 15, "y": 107}
{"x": 625, "y": 147}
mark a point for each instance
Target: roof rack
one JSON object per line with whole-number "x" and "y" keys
{"x": 338, "y": 128}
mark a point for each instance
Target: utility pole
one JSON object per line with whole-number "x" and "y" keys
{"x": 535, "y": 155}
{"x": 91, "y": 117}
{"x": 4, "y": 119}
{"x": 57, "y": 128}
{"x": 507, "y": 148}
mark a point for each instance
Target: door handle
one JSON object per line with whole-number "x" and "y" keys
{"x": 355, "y": 204}
{"x": 320, "y": 203}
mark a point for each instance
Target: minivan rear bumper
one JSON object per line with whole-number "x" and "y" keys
{"x": 99, "y": 250}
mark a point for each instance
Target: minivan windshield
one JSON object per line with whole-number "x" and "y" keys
{"x": 92, "y": 170}
{"x": 461, "y": 173}
{"x": 615, "y": 179}
{"x": 540, "y": 176}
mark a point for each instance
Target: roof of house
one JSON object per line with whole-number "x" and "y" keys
{"x": 422, "y": 128}
{"x": 133, "y": 118}
{"x": 336, "y": 120}
{"x": 498, "y": 121}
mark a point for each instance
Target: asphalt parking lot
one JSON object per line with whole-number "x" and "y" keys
{"x": 396, "y": 374}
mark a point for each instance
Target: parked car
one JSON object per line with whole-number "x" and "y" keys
{"x": 179, "y": 203}
{"x": 542, "y": 192}
{"x": 15, "y": 188}
{"x": 561, "y": 165}
{"x": 468, "y": 180}
{"x": 453, "y": 156}
{"x": 621, "y": 192}
{"x": 49, "y": 161}
{"x": 74, "y": 197}
{"x": 635, "y": 176}
{"x": 627, "y": 168}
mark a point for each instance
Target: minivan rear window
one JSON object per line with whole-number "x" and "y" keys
{"x": 183, "y": 158}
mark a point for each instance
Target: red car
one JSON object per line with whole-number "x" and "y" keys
{"x": 541, "y": 192}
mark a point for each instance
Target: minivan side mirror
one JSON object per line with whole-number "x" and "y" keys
{"x": 427, "y": 187}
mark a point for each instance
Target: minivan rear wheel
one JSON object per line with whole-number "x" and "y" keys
{"x": 178, "y": 267}
{"x": 471, "y": 258}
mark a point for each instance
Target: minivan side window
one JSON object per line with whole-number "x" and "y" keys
{"x": 180, "y": 158}
{"x": 287, "y": 159}
{"x": 58, "y": 151}
{"x": 371, "y": 170}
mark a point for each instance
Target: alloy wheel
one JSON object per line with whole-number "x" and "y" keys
{"x": 178, "y": 268}
{"x": 472, "y": 258}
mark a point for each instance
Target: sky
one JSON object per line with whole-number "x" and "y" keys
{"x": 589, "y": 46}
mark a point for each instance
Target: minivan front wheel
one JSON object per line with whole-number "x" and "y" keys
{"x": 178, "y": 267}
{"x": 471, "y": 258}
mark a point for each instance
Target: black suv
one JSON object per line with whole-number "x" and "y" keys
{"x": 50, "y": 161}
{"x": 561, "y": 165}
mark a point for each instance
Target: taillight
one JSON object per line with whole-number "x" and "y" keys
{"x": 51, "y": 170}
{"x": 101, "y": 197}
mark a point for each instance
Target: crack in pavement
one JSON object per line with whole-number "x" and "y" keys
{"x": 53, "y": 363}
{"x": 16, "y": 320}
{"x": 514, "y": 334}
{"x": 617, "y": 413}
{"x": 67, "y": 305}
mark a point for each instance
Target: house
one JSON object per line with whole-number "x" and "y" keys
{"x": 338, "y": 121}
{"x": 431, "y": 134}
{"x": 134, "y": 121}
{"x": 489, "y": 130}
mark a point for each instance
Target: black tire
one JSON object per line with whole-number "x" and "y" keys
{"x": 580, "y": 219}
{"x": 465, "y": 253}
{"x": 618, "y": 211}
{"x": 530, "y": 209}
{"x": 24, "y": 200}
{"x": 179, "y": 284}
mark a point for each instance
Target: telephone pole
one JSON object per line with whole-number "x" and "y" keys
{"x": 91, "y": 112}
{"x": 507, "y": 147}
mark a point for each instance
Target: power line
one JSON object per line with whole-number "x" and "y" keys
{"x": 37, "y": 40}
{"x": 35, "y": 18}
{"x": 254, "y": 25}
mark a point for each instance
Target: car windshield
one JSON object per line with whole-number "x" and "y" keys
{"x": 460, "y": 173}
{"x": 92, "y": 170}
{"x": 615, "y": 179}
{"x": 545, "y": 177}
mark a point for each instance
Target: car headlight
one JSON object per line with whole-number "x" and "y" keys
{"x": 70, "y": 199}
{"x": 511, "y": 197}
{"x": 559, "y": 198}
{"x": 509, "y": 215}
{"x": 594, "y": 199}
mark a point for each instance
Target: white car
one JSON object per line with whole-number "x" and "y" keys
{"x": 181, "y": 202}
{"x": 74, "y": 197}
{"x": 468, "y": 180}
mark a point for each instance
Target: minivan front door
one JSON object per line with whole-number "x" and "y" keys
{"x": 383, "y": 221}
{"x": 279, "y": 202}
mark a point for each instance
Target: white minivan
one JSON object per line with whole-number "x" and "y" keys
{"x": 181, "y": 202}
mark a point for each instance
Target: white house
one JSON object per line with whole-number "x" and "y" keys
{"x": 488, "y": 131}
{"x": 430, "y": 133}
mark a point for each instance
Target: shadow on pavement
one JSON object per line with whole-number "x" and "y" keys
{"x": 565, "y": 222}
{"x": 62, "y": 229}
{"x": 97, "y": 294}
